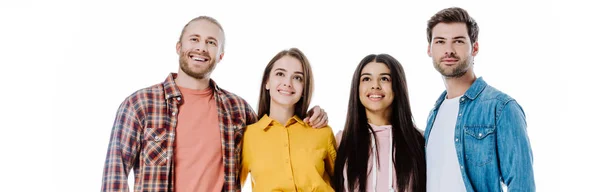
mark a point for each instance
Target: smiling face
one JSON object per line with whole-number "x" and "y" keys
{"x": 200, "y": 48}
{"x": 286, "y": 82}
{"x": 375, "y": 88}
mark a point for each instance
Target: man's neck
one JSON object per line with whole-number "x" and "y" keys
{"x": 457, "y": 86}
{"x": 186, "y": 81}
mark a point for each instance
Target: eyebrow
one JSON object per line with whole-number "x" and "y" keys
{"x": 457, "y": 37}
{"x": 382, "y": 74}
{"x": 209, "y": 37}
{"x": 296, "y": 72}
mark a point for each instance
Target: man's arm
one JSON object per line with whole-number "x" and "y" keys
{"x": 316, "y": 117}
{"x": 514, "y": 151}
{"x": 251, "y": 116}
{"x": 123, "y": 149}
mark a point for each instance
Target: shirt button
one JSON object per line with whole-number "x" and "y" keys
{"x": 173, "y": 113}
{"x": 460, "y": 114}
{"x": 480, "y": 134}
{"x": 156, "y": 138}
{"x": 456, "y": 139}
{"x": 178, "y": 98}
{"x": 462, "y": 167}
{"x": 285, "y": 145}
{"x": 287, "y": 160}
{"x": 462, "y": 99}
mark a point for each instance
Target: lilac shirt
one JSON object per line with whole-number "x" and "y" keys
{"x": 383, "y": 143}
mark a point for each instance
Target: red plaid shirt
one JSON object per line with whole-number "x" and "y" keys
{"x": 143, "y": 135}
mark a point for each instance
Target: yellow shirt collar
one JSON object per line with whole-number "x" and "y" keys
{"x": 265, "y": 122}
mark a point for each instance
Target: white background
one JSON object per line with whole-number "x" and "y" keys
{"x": 66, "y": 67}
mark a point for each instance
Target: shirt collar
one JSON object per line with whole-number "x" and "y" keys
{"x": 476, "y": 88}
{"x": 379, "y": 128}
{"x": 265, "y": 122}
{"x": 171, "y": 90}
{"x": 473, "y": 92}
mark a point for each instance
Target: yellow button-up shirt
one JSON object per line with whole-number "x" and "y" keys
{"x": 290, "y": 157}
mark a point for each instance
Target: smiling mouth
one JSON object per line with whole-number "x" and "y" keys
{"x": 375, "y": 97}
{"x": 286, "y": 92}
{"x": 198, "y": 59}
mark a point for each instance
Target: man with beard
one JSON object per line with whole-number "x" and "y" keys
{"x": 476, "y": 137}
{"x": 184, "y": 134}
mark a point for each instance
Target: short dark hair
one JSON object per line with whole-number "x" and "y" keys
{"x": 453, "y": 15}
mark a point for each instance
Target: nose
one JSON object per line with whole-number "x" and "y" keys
{"x": 287, "y": 82}
{"x": 200, "y": 47}
{"x": 376, "y": 86}
{"x": 449, "y": 50}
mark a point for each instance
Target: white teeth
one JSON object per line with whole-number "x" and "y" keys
{"x": 375, "y": 96}
{"x": 285, "y": 92}
{"x": 198, "y": 59}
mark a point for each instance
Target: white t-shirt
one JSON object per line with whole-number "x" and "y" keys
{"x": 443, "y": 170}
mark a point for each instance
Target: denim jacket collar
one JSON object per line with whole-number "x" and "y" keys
{"x": 476, "y": 88}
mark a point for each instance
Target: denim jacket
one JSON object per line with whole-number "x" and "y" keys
{"x": 491, "y": 140}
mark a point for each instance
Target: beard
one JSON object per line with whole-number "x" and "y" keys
{"x": 185, "y": 65}
{"x": 459, "y": 70}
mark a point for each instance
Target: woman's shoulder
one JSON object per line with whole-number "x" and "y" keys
{"x": 325, "y": 131}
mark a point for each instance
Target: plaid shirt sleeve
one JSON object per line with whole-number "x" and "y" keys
{"x": 251, "y": 116}
{"x": 123, "y": 149}
{"x": 236, "y": 114}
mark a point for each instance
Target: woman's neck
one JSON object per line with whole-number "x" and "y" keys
{"x": 379, "y": 117}
{"x": 281, "y": 113}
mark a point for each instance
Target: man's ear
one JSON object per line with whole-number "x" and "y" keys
{"x": 178, "y": 47}
{"x": 429, "y": 49}
{"x": 475, "y": 49}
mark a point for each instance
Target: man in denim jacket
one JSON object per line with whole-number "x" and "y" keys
{"x": 476, "y": 137}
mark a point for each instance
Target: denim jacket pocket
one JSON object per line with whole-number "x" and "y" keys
{"x": 479, "y": 142}
{"x": 155, "y": 146}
